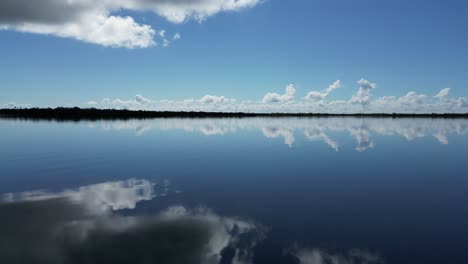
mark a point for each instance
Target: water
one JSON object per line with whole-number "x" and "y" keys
{"x": 289, "y": 190}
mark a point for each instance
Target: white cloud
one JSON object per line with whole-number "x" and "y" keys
{"x": 176, "y": 36}
{"x": 166, "y": 43}
{"x": 212, "y": 99}
{"x": 91, "y": 103}
{"x": 317, "y": 96}
{"x": 106, "y": 101}
{"x": 288, "y": 96}
{"x": 411, "y": 102}
{"x": 461, "y": 102}
{"x": 96, "y": 28}
{"x": 139, "y": 102}
{"x": 363, "y": 96}
{"x": 443, "y": 94}
{"x": 412, "y": 98}
{"x": 95, "y": 21}
{"x": 142, "y": 100}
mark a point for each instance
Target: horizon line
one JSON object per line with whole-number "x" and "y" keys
{"x": 77, "y": 113}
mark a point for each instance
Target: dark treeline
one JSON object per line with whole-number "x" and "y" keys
{"x": 77, "y": 114}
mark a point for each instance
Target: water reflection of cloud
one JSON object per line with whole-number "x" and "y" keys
{"x": 319, "y": 134}
{"x": 313, "y": 128}
{"x": 98, "y": 197}
{"x": 83, "y": 226}
{"x": 275, "y": 132}
{"x": 362, "y": 136}
{"x": 318, "y": 256}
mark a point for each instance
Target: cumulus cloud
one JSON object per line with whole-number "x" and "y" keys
{"x": 317, "y": 96}
{"x": 288, "y": 96}
{"x": 461, "y": 102}
{"x": 212, "y": 99}
{"x": 95, "y": 21}
{"x": 412, "y": 99}
{"x": 138, "y": 102}
{"x": 363, "y": 96}
{"x": 411, "y": 102}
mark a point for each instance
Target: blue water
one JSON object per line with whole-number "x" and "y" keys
{"x": 259, "y": 190}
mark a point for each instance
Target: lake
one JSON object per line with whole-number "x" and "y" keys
{"x": 253, "y": 190}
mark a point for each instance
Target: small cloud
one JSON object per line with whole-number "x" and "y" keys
{"x": 92, "y": 103}
{"x": 443, "y": 94}
{"x": 212, "y": 99}
{"x": 288, "y": 96}
{"x": 142, "y": 100}
{"x": 176, "y": 36}
{"x": 318, "y": 96}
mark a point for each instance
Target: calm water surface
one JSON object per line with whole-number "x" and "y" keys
{"x": 289, "y": 190}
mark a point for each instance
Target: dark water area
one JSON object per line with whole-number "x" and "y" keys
{"x": 251, "y": 190}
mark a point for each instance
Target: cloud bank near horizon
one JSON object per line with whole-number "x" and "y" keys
{"x": 362, "y": 101}
{"x": 99, "y": 22}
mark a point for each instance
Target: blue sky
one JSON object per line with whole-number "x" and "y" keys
{"x": 240, "y": 50}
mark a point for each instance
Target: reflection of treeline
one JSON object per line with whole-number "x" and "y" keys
{"x": 76, "y": 113}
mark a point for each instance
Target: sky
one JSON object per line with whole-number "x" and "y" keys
{"x": 236, "y": 55}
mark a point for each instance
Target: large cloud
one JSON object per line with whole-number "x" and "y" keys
{"x": 96, "y": 22}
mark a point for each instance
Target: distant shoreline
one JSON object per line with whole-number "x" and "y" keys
{"x": 77, "y": 114}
